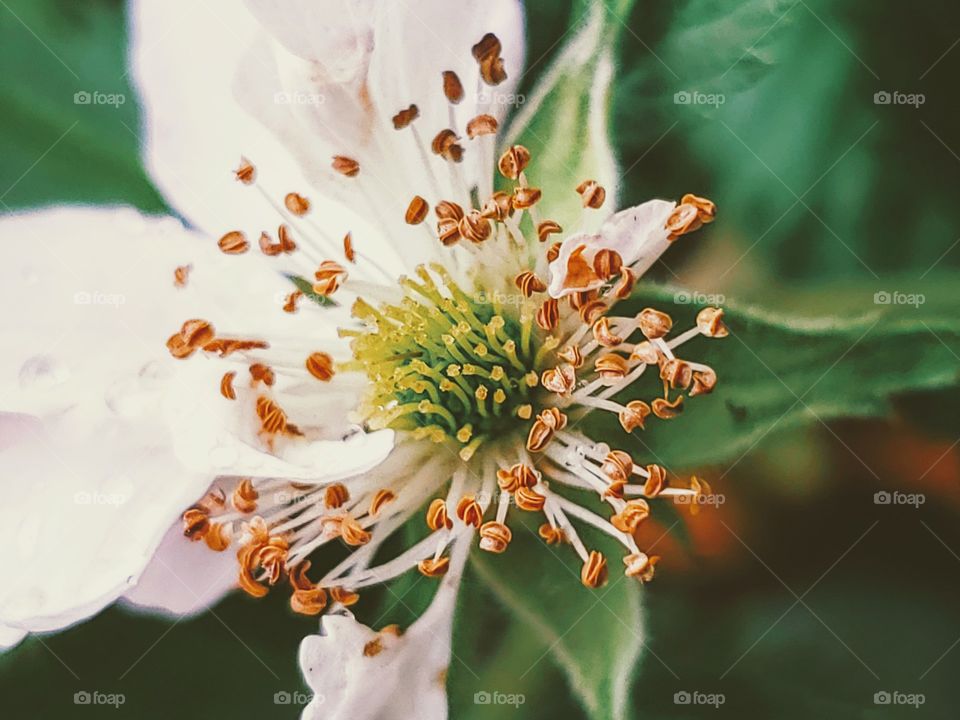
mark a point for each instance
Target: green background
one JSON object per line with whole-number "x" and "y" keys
{"x": 799, "y": 597}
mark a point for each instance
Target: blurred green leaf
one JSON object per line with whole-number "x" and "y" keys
{"x": 785, "y": 368}
{"x": 565, "y": 120}
{"x": 70, "y": 118}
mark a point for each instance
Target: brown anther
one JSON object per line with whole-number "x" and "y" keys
{"x": 633, "y": 513}
{"x": 373, "y": 648}
{"x": 452, "y": 87}
{"x": 513, "y": 161}
{"x": 434, "y": 568}
{"x": 710, "y": 323}
{"x": 246, "y": 173}
{"x": 640, "y": 565}
{"x": 196, "y": 333}
{"x": 526, "y": 197}
{"x": 634, "y": 415}
{"x": 437, "y": 516}
{"x": 591, "y": 311}
{"x": 445, "y": 144}
{"x": 381, "y": 498}
{"x": 498, "y": 207}
{"x": 405, "y": 117}
{"x": 646, "y": 353}
{"x": 482, "y": 125}
{"x": 594, "y": 571}
{"x": 553, "y": 418}
{"x": 226, "y": 385}
{"x": 592, "y": 194}
{"x": 683, "y": 220}
{"x": 551, "y": 535}
{"x": 656, "y": 480}
{"x": 548, "y": 315}
{"x": 244, "y": 496}
{"x": 297, "y": 204}
{"x": 335, "y": 495}
{"x": 217, "y": 538}
{"x": 329, "y": 276}
{"x": 345, "y": 166}
{"x": 213, "y": 501}
{"x": 529, "y": 499}
{"x": 268, "y": 247}
{"x": 546, "y": 228}
{"x": 677, "y": 373}
{"x": 416, "y": 211}
{"x": 287, "y": 244}
{"x": 234, "y": 243}
{"x": 262, "y": 373}
{"x": 653, "y": 323}
{"x": 617, "y": 465}
{"x": 543, "y": 428}
{"x": 624, "y": 286}
{"x": 181, "y": 274}
{"x": 474, "y": 227}
{"x": 291, "y": 302}
{"x": 446, "y": 210}
{"x": 517, "y": 476}
{"x": 666, "y": 410}
{"x": 449, "y": 232}
{"x": 348, "y": 252}
{"x": 246, "y": 580}
{"x": 343, "y": 596}
{"x": 604, "y": 335}
{"x": 607, "y": 263}
{"x": 273, "y": 419}
{"x": 703, "y": 382}
{"x": 560, "y": 380}
{"x": 195, "y": 523}
{"x": 495, "y": 537}
{"x": 469, "y": 511}
{"x": 488, "y": 46}
{"x": 611, "y": 366}
{"x": 572, "y": 355}
{"x": 307, "y": 598}
{"x": 553, "y": 252}
{"x": 614, "y": 490}
{"x": 529, "y": 283}
{"x": 487, "y": 54}
{"x": 706, "y": 209}
{"x": 224, "y": 347}
{"x": 352, "y": 533}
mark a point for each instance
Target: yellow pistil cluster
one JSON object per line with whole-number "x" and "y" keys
{"x": 444, "y": 365}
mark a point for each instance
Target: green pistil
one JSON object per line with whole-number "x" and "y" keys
{"x": 444, "y": 366}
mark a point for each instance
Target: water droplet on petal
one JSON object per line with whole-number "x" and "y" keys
{"x": 42, "y": 371}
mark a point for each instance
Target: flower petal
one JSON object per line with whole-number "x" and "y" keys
{"x": 355, "y": 672}
{"x": 85, "y": 505}
{"x": 10, "y": 637}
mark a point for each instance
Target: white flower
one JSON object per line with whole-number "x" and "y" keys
{"x": 415, "y": 366}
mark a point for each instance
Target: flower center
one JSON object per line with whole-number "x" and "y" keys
{"x": 445, "y": 364}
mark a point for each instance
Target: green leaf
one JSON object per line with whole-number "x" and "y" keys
{"x": 564, "y": 121}
{"x": 786, "y": 368}
{"x": 594, "y": 636}
{"x": 306, "y": 287}
{"x": 70, "y": 119}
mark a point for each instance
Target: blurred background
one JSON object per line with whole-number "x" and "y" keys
{"x": 829, "y": 136}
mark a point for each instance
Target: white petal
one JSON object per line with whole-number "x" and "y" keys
{"x": 406, "y": 679}
{"x": 184, "y": 577}
{"x": 10, "y": 637}
{"x": 84, "y": 506}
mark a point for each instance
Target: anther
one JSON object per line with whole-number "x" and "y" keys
{"x": 710, "y": 323}
{"x": 495, "y": 537}
{"x": 246, "y": 173}
{"x": 234, "y": 243}
{"x": 417, "y": 211}
{"x": 653, "y": 323}
{"x": 594, "y": 571}
{"x": 452, "y": 87}
{"x": 297, "y": 204}
{"x": 634, "y": 415}
{"x": 513, "y": 161}
{"x": 481, "y": 125}
{"x": 345, "y": 166}
{"x": 592, "y": 194}
{"x": 405, "y": 117}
